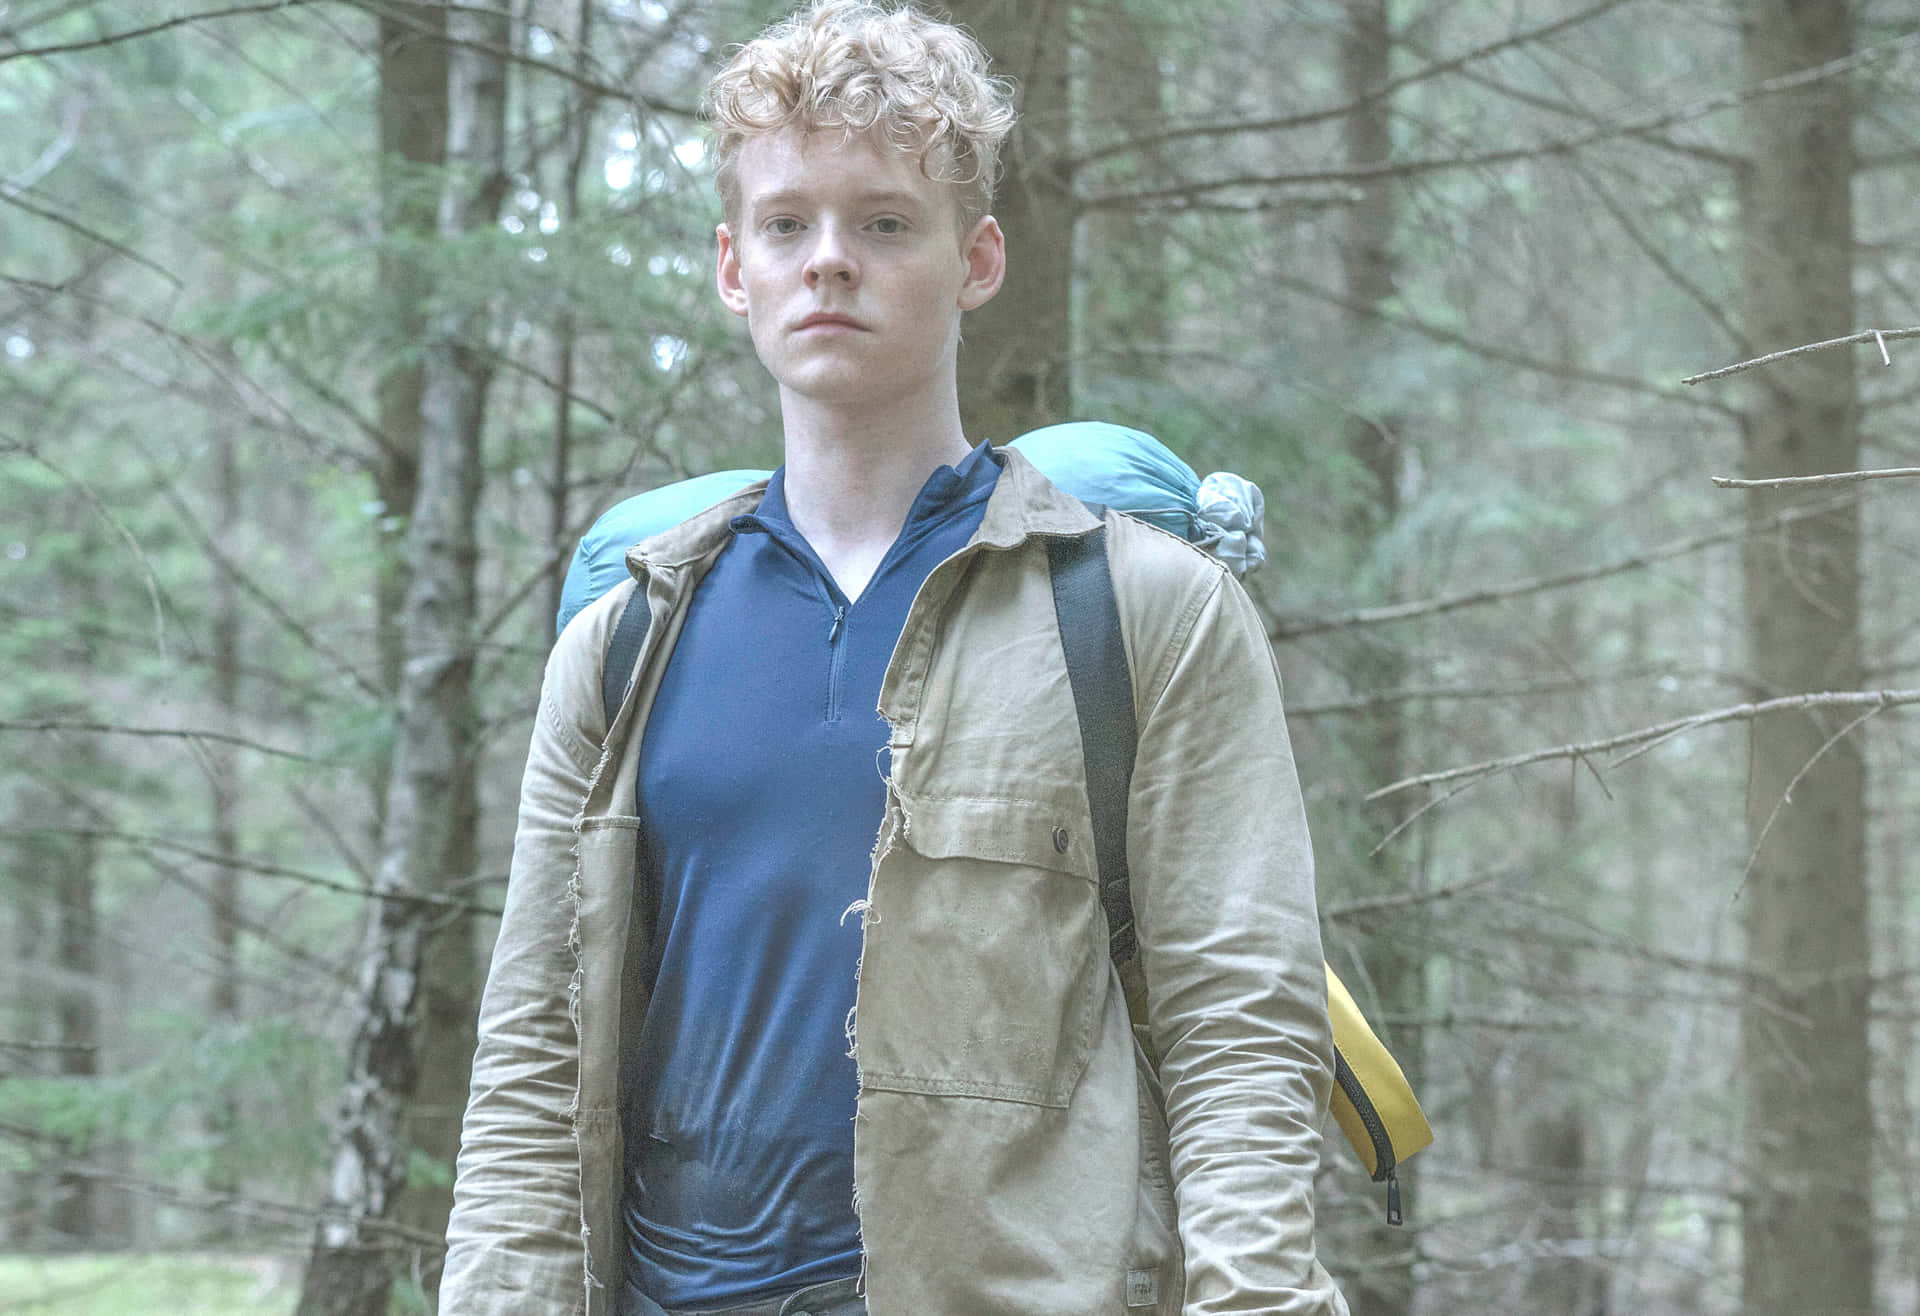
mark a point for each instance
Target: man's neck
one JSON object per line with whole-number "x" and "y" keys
{"x": 851, "y": 478}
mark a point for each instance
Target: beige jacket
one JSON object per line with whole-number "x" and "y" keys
{"x": 1013, "y": 1152}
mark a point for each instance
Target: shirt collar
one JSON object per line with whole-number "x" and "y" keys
{"x": 945, "y": 490}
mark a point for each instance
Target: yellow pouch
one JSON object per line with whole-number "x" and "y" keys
{"x": 1372, "y": 1100}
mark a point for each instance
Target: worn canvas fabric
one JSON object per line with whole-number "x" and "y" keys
{"x": 1013, "y": 1150}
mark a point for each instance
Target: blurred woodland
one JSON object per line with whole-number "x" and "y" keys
{"x": 329, "y": 326}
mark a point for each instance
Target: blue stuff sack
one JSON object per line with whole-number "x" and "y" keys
{"x": 1126, "y": 469}
{"x": 1134, "y": 472}
{"x": 600, "y": 562}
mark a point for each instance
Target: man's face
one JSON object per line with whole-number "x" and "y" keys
{"x": 848, "y": 264}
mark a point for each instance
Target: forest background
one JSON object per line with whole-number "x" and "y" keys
{"x": 328, "y": 326}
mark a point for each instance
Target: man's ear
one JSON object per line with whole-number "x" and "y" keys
{"x": 726, "y": 273}
{"x": 985, "y": 252}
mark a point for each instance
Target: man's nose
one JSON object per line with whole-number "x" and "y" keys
{"x": 831, "y": 260}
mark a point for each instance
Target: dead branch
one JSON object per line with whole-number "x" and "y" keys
{"x": 1384, "y": 169}
{"x": 1406, "y": 899}
{"x": 1818, "y": 481}
{"x": 1873, "y": 699}
{"x": 626, "y": 95}
{"x": 179, "y": 733}
{"x": 1326, "y": 114}
{"x": 256, "y": 866}
{"x": 114, "y": 38}
{"x": 259, "y": 1208}
{"x": 9, "y": 1044}
{"x": 13, "y": 198}
{"x": 1879, "y": 336}
{"x": 1535, "y": 584}
{"x": 1493, "y": 352}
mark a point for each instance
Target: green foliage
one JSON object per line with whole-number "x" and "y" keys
{"x": 117, "y": 1284}
{"x": 274, "y": 1071}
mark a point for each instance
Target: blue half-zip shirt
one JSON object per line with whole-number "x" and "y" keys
{"x": 761, "y": 792}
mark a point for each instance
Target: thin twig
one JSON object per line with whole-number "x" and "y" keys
{"x": 1786, "y": 796}
{"x": 1536, "y": 584}
{"x": 1864, "y": 336}
{"x": 114, "y": 38}
{"x": 1874, "y": 699}
{"x": 1307, "y": 118}
{"x": 181, "y": 733}
{"x": 1819, "y": 481}
{"x": 1358, "y": 908}
{"x": 259, "y": 867}
{"x": 1376, "y": 170}
{"x": 8, "y": 1044}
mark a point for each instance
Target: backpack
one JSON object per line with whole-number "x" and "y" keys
{"x": 1372, "y": 1101}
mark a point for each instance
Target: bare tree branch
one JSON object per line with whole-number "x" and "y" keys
{"x": 1536, "y": 584}
{"x": 1873, "y": 699}
{"x": 1329, "y": 113}
{"x": 92, "y": 235}
{"x": 1879, "y": 336}
{"x": 131, "y": 34}
{"x": 1493, "y": 352}
{"x": 1818, "y": 481}
{"x": 629, "y": 95}
{"x": 1407, "y": 899}
{"x": 256, "y": 866}
{"x": 1376, "y": 170}
{"x": 182, "y": 733}
{"x": 1514, "y": 690}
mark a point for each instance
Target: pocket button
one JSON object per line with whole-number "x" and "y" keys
{"x": 1060, "y": 839}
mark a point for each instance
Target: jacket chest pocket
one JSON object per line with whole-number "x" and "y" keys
{"x": 985, "y": 958}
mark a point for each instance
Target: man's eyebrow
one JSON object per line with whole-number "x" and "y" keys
{"x": 793, "y": 196}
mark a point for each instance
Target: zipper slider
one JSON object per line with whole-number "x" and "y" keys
{"x": 1393, "y": 1199}
{"x": 839, "y": 615}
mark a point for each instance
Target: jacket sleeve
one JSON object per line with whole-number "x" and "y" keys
{"x": 514, "y": 1241}
{"x": 1230, "y": 948}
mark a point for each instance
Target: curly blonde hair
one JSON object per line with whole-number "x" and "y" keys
{"x": 857, "y": 66}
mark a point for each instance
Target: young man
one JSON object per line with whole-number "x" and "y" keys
{"x": 800, "y": 1008}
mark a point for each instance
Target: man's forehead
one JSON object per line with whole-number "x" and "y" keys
{"x": 790, "y": 165}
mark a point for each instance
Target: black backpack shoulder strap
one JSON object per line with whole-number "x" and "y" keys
{"x": 623, "y": 651}
{"x": 1103, "y": 700}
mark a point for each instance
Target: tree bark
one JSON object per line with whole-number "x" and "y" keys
{"x": 579, "y": 132}
{"x": 1807, "y": 1222}
{"x": 77, "y": 1014}
{"x": 1385, "y": 1284}
{"x": 1014, "y": 359}
{"x": 1125, "y": 297}
{"x": 223, "y": 776}
{"x": 413, "y": 144}
{"x": 428, "y": 834}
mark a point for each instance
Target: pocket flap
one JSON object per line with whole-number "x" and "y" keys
{"x": 1005, "y": 830}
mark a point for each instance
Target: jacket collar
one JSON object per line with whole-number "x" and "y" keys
{"x": 1023, "y": 503}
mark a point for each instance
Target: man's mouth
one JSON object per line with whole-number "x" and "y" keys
{"x": 828, "y": 320}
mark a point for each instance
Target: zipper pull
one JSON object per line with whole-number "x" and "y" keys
{"x": 1393, "y": 1199}
{"x": 839, "y": 615}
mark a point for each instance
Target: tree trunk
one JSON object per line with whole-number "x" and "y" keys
{"x": 77, "y": 1012}
{"x": 223, "y": 776}
{"x": 1013, "y": 362}
{"x": 1807, "y": 1222}
{"x": 427, "y": 841}
{"x": 579, "y": 132}
{"x": 1378, "y": 663}
{"x": 413, "y": 143}
{"x": 1126, "y": 293}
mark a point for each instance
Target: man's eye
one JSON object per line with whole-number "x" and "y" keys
{"x": 889, "y": 225}
{"x": 781, "y": 226}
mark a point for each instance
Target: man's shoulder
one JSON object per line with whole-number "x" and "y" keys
{"x": 1154, "y": 566}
